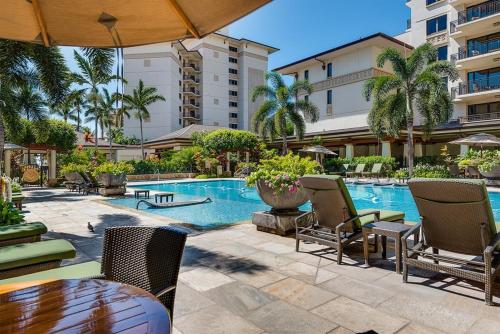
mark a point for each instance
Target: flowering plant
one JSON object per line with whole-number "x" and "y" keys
{"x": 281, "y": 173}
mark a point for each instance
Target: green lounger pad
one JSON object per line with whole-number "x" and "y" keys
{"x": 26, "y": 254}
{"x": 21, "y": 230}
{"x": 386, "y": 215}
{"x": 81, "y": 270}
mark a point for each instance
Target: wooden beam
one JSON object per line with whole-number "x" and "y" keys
{"x": 41, "y": 23}
{"x": 187, "y": 22}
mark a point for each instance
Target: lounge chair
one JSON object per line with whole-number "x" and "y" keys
{"x": 334, "y": 220}
{"x": 457, "y": 218}
{"x": 73, "y": 181}
{"x": 21, "y": 233}
{"x": 357, "y": 172}
{"x": 473, "y": 172}
{"x": 90, "y": 184}
{"x": 375, "y": 172}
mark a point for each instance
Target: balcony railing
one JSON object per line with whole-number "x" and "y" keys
{"x": 478, "y": 86}
{"x": 191, "y": 90}
{"x": 475, "y": 13}
{"x": 191, "y": 104}
{"x": 479, "y": 48}
{"x": 191, "y": 115}
{"x": 191, "y": 77}
{"x": 192, "y": 66}
{"x": 481, "y": 117}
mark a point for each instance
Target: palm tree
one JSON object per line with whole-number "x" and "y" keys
{"x": 282, "y": 108}
{"x": 139, "y": 101}
{"x": 417, "y": 82}
{"x": 95, "y": 72}
{"x": 65, "y": 110}
{"x": 78, "y": 99}
{"x": 46, "y": 63}
{"x": 30, "y": 101}
{"x": 107, "y": 116}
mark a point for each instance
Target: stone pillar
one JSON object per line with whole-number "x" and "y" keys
{"x": 349, "y": 151}
{"x": 418, "y": 149}
{"x": 386, "y": 149}
{"x": 405, "y": 153}
{"x": 228, "y": 163}
{"x": 464, "y": 149}
{"x": 247, "y": 157}
{"x": 6, "y": 157}
{"x": 52, "y": 164}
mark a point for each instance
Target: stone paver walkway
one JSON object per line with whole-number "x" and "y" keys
{"x": 238, "y": 280}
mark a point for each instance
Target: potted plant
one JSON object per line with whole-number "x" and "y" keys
{"x": 277, "y": 181}
{"x": 9, "y": 215}
{"x": 112, "y": 177}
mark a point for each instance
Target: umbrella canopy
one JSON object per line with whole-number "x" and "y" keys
{"x": 117, "y": 23}
{"x": 318, "y": 149}
{"x": 10, "y": 146}
{"x": 480, "y": 139}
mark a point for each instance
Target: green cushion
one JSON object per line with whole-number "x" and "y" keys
{"x": 21, "y": 255}
{"x": 18, "y": 197}
{"x": 21, "y": 230}
{"x": 81, "y": 270}
{"x": 386, "y": 215}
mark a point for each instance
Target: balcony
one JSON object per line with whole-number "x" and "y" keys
{"x": 482, "y": 55}
{"x": 461, "y": 3}
{"x": 191, "y": 91}
{"x": 478, "y": 91}
{"x": 188, "y": 104}
{"x": 190, "y": 79}
{"x": 477, "y": 20}
{"x": 191, "y": 115}
{"x": 486, "y": 117}
{"x": 191, "y": 67}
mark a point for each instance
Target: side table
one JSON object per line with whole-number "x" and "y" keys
{"x": 387, "y": 229}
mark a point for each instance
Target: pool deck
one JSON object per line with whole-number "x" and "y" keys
{"x": 238, "y": 280}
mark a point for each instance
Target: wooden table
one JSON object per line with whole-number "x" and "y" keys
{"x": 81, "y": 305}
{"x": 165, "y": 195}
{"x": 137, "y": 193}
{"x": 387, "y": 229}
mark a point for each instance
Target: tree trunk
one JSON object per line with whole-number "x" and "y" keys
{"x": 142, "y": 140}
{"x": 96, "y": 135}
{"x": 78, "y": 119}
{"x": 2, "y": 143}
{"x": 285, "y": 145}
{"x": 409, "y": 128}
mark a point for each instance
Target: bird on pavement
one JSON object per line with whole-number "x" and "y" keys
{"x": 90, "y": 227}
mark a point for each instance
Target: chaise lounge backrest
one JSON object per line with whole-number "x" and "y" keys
{"x": 456, "y": 214}
{"x": 360, "y": 168}
{"x": 377, "y": 168}
{"x": 330, "y": 199}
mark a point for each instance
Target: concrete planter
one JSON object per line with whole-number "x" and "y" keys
{"x": 494, "y": 174}
{"x": 110, "y": 180}
{"x": 281, "y": 202}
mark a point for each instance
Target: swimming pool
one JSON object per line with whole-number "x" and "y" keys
{"x": 233, "y": 202}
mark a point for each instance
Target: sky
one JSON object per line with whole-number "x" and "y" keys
{"x": 300, "y": 28}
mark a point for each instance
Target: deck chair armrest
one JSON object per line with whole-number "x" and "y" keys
{"x": 493, "y": 244}
{"x": 376, "y": 213}
{"x": 305, "y": 219}
{"x": 404, "y": 238}
{"x": 164, "y": 291}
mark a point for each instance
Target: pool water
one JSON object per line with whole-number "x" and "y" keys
{"x": 233, "y": 202}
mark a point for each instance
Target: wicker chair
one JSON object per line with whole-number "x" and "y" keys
{"x": 456, "y": 217}
{"x": 145, "y": 257}
{"x": 358, "y": 171}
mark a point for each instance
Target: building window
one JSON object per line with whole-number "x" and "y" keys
{"x": 233, "y": 126}
{"x": 216, "y": 77}
{"x": 436, "y": 24}
{"x": 431, "y": 2}
{"x": 233, "y": 104}
{"x": 180, "y": 70}
{"x": 233, "y": 115}
{"x": 442, "y": 53}
{"x": 233, "y": 71}
{"x": 329, "y": 70}
{"x": 329, "y": 96}
{"x": 445, "y": 82}
{"x": 306, "y": 75}
{"x": 233, "y": 93}
{"x": 216, "y": 101}
{"x": 233, "y": 82}
{"x": 482, "y": 45}
{"x": 180, "y": 121}
{"x": 180, "y": 110}
{"x": 233, "y": 49}
{"x": 483, "y": 80}
{"x": 491, "y": 109}
{"x": 216, "y": 54}
{"x": 233, "y": 60}
{"x": 306, "y": 98}
{"x": 180, "y": 96}
{"x": 180, "y": 83}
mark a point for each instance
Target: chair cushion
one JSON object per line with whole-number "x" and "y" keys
{"x": 21, "y": 255}
{"x": 81, "y": 270}
{"x": 386, "y": 215}
{"x": 21, "y": 230}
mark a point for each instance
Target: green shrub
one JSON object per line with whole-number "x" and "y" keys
{"x": 485, "y": 161}
{"x": 115, "y": 168}
{"x": 16, "y": 187}
{"x": 431, "y": 171}
{"x": 428, "y": 160}
{"x": 206, "y": 176}
{"x": 9, "y": 215}
{"x": 282, "y": 172}
{"x": 223, "y": 140}
{"x": 74, "y": 168}
{"x": 335, "y": 164}
{"x": 402, "y": 173}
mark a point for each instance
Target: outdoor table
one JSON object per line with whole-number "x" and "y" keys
{"x": 137, "y": 193}
{"x": 165, "y": 195}
{"x": 387, "y": 229}
{"x": 80, "y": 305}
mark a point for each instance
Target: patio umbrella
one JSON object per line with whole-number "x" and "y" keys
{"x": 318, "y": 149}
{"x": 10, "y": 146}
{"x": 117, "y": 23}
{"x": 478, "y": 140}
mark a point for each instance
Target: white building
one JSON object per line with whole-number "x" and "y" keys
{"x": 206, "y": 81}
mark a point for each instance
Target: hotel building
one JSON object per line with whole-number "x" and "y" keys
{"x": 207, "y": 82}
{"x": 466, "y": 32}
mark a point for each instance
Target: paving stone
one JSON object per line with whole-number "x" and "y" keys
{"x": 269, "y": 259}
{"x": 299, "y": 293}
{"x": 415, "y": 328}
{"x": 236, "y": 249}
{"x": 281, "y": 317}
{"x": 239, "y": 298}
{"x": 203, "y": 279}
{"x": 341, "y": 330}
{"x": 215, "y": 320}
{"x": 274, "y": 247}
{"x": 431, "y": 314}
{"x": 188, "y": 300}
{"x": 359, "y": 272}
{"x": 485, "y": 326}
{"x": 257, "y": 277}
{"x": 365, "y": 293}
{"x": 307, "y": 273}
{"x": 359, "y": 317}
